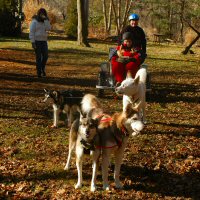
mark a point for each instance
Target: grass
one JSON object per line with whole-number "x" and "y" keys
{"x": 161, "y": 163}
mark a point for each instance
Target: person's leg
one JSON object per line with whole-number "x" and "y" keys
{"x": 38, "y": 54}
{"x": 44, "y": 57}
{"x": 118, "y": 70}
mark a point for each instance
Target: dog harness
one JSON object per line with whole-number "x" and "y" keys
{"x": 121, "y": 133}
{"x": 117, "y": 134}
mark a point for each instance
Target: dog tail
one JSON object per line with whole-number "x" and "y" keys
{"x": 142, "y": 73}
{"x": 89, "y": 102}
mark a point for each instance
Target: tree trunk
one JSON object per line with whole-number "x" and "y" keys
{"x": 193, "y": 41}
{"x": 105, "y": 15}
{"x": 107, "y": 19}
{"x": 119, "y": 13}
{"x": 181, "y": 19}
{"x": 126, "y": 13}
{"x": 190, "y": 45}
{"x": 82, "y": 9}
{"x": 121, "y": 22}
{"x": 115, "y": 17}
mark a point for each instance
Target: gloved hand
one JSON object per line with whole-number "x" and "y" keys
{"x": 131, "y": 60}
{"x": 33, "y": 45}
{"x": 122, "y": 60}
{"x": 126, "y": 60}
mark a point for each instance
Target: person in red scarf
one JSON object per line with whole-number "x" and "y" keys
{"x": 128, "y": 58}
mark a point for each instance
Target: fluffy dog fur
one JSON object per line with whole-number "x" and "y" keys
{"x": 81, "y": 137}
{"x": 134, "y": 91}
{"x": 111, "y": 138}
{"x": 67, "y": 101}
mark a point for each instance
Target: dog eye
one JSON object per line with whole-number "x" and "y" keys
{"x": 91, "y": 125}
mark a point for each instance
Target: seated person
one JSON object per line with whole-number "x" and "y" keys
{"x": 127, "y": 59}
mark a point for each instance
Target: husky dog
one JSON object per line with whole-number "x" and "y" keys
{"x": 67, "y": 101}
{"x": 134, "y": 91}
{"x": 111, "y": 136}
{"x": 81, "y": 136}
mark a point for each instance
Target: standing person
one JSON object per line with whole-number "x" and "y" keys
{"x": 138, "y": 35}
{"x": 38, "y": 35}
{"x": 128, "y": 58}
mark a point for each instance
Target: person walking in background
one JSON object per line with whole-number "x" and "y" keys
{"x": 138, "y": 35}
{"x": 38, "y": 36}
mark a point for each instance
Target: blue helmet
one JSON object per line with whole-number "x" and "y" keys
{"x": 133, "y": 17}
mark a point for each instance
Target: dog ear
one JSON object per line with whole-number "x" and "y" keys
{"x": 82, "y": 115}
{"x": 136, "y": 81}
{"x": 129, "y": 75}
{"x": 56, "y": 94}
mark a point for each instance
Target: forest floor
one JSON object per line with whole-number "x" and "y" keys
{"x": 161, "y": 163}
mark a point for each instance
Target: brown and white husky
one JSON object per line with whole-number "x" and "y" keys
{"x": 108, "y": 135}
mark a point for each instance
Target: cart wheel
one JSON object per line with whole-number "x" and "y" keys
{"x": 100, "y": 93}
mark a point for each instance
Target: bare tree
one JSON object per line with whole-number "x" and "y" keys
{"x": 182, "y": 2}
{"x": 82, "y": 9}
{"x": 107, "y": 19}
{"x": 194, "y": 40}
{"x": 119, "y": 21}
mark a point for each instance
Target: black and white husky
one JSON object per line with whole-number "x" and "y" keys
{"x": 68, "y": 101}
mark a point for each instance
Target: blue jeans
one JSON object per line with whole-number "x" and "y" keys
{"x": 41, "y": 53}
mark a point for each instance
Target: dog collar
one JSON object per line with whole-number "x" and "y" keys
{"x": 104, "y": 120}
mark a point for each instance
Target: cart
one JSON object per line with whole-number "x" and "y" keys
{"x": 106, "y": 80}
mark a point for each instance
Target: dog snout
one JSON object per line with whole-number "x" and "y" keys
{"x": 137, "y": 127}
{"x": 87, "y": 132}
{"x": 118, "y": 90}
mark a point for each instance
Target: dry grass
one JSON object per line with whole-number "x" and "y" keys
{"x": 161, "y": 163}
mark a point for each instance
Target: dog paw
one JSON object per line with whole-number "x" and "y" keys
{"x": 78, "y": 185}
{"x": 66, "y": 167}
{"x": 53, "y": 126}
{"x": 134, "y": 134}
{"x": 145, "y": 122}
{"x": 93, "y": 188}
{"x": 118, "y": 186}
{"x": 106, "y": 187}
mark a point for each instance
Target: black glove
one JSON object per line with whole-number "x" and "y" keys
{"x": 126, "y": 60}
{"x": 33, "y": 45}
{"x": 131, "y": 60}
